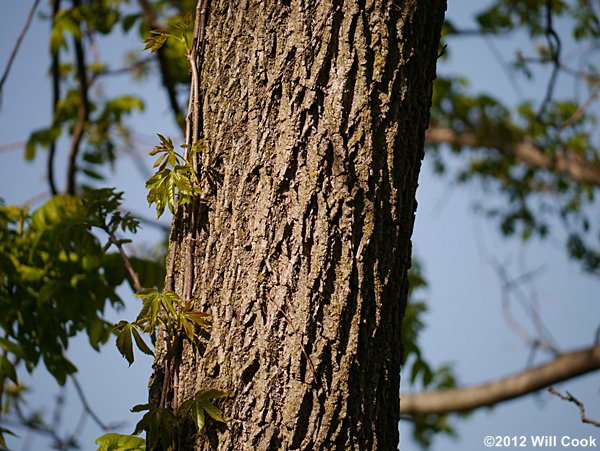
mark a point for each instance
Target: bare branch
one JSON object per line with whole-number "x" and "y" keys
{"x": 569, "y": 397}
{"x": 569, "y": 162}
{"x": 564, "y": 367}
{"x": 512, "y": 286}
{"x": 15, "y": 49}
{"x": 12, "y": 146}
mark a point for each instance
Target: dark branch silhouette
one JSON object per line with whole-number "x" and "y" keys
{"x": 84, "y": 111}
{"x": 55, "y": 74}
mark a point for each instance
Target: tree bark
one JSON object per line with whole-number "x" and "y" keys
{"x": 314, "y": 115}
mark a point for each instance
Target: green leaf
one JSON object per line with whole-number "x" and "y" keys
{"x": 204, "y": 401}
{"x": 161, "y": 425}
{"x": 213, "y": 411}
{"x": 120, "y": 442}
{"x": 141, "y": 407}
{"x": 202, "y": 319}
{"x": 188, "y": 328}
{"x": 41, "y": 137}
{"x": 59, "y": 366}
{"x": 146, "y": 292}
{"x": 197, "y": 413}
{"x": 5, "y": 431}
{"x": 30, "y": 150}
{"x": 185, "y": 22}
{"x": 211, "y": 393}
{"x": 99, "y": 332}
{"x": 129, "y": 21}
{"x": 160, "y": 191}
{"x": 92, "y": 174}
{"x": 13, "y": 348}
{"x": 141, "y": 344}
{"x": 8, "y": 369}
{"x": 148, "y": 316}
{"x": 170, "y": 300}
{"x": 124, "y": 342}
{"x": 155, "y": 41}
{"x": 58, "y": 211}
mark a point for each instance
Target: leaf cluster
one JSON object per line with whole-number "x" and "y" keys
{"x": 531, "y": 198}
{"x": 56, "y": 279}
{"x": 120, "y": 442}
{"x": 176, "y": 181}
{"x": 158, "y": 37}
{"x": 163, "y": 426}
{"x": 165, "y": 310}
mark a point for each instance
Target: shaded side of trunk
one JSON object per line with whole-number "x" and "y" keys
{"x": 314, "y": 115}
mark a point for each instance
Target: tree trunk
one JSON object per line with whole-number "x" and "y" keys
{"x": 314, "y": 117}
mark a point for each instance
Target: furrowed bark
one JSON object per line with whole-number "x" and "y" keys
{"x": 314, "y": 116}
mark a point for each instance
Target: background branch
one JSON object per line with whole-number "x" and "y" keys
{"x": 568, "y": 163}
{"x": 564, "y": 367}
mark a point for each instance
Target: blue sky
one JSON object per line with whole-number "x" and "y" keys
{"x": 466, "y": 326}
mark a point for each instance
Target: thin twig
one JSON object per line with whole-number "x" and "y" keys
{"x": 504, "y": 66}
{"x": 137, "y": 286}
{"x": 120, "y": 70}
{"x": 17, "y": 45}
{"x": 87, "y": 407}
{"x": 569, "y": 397}
{"x": 581, "y": 108}
{"x": 554, "y": 45}
{"x": 513, "y": 286}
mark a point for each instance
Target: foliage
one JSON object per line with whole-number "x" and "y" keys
{"x": 202, "y": 403}
{"x": 159, "y": 37}
{"x": 175, "y": 186}
{"x": 120, "y": 442}
{"x": 166, "y": 311}
{"x": 560, "y": 129}
{"x": 421, "y": 373}
{"x": 165, "y": 427}
{"x": 57, "y": 278}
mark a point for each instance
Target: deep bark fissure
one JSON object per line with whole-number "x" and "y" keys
{"x": 315, "y": 115}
